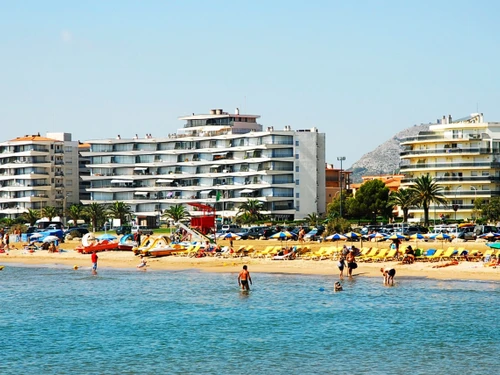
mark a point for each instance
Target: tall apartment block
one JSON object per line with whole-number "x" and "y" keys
{"x": 36, "y": 172}
{"x": 463, "y": 156}
{"x": 219, "y": 152}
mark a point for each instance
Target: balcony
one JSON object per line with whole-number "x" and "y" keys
{"x": 449, "y": 165}
{"x": 456, "y": 178}
{"x": 455, "y": 150}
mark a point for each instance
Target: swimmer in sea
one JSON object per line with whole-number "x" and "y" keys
{"x": 244, "y": 278}
{"x": 338, "y": 286}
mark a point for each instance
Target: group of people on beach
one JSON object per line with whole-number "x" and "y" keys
{"x": 348, "y": 259}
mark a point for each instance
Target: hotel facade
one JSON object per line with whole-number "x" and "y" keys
{"x": 219, "y": 154}
{"x": 463, "y": 156}
{"x": 36, "y": 172}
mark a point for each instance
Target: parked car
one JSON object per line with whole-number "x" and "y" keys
{"x": 415, "y": 229}
{"x": 312, "y": 235}
{"x": 268, "y": 232}
{"x": 243, "y": 233}
{"x": 254, "y": 233}
{"x": 81, "y": 231}
{"x": 124, "y": 229}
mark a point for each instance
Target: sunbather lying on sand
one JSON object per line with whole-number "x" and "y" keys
{"x": 452, "y": 263}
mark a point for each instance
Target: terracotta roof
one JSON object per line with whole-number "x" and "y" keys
{"x": 32, "y": 138}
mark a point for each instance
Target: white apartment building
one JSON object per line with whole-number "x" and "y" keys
{"x": 463, "y": 156}
{"x": 217, "y": 152}
{"x": 36, "y": 172}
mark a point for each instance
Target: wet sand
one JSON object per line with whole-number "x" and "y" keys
{"x": 127, "y": 260}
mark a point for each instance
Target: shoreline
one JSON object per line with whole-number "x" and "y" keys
{"x": 127, "y": 260}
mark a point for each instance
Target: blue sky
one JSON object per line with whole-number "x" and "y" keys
{"x": 360, "y": 71}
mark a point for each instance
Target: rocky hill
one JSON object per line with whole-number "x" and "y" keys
{"x": 385, "y": 158}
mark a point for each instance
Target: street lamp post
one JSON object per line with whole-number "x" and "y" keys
{"x": 474, "y": 205}
{"x": 341, "y": 159}
{"x": 455, "y": 206}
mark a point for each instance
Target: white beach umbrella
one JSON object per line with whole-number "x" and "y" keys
{"x": 50, "y": 239}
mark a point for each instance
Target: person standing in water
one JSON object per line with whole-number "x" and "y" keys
{"x": 94, "y": 258}
{"x": 244, "y": 278}
{"x": 388, "y": 274}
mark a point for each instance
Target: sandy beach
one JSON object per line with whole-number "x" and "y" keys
{"x": 126, "y": 259}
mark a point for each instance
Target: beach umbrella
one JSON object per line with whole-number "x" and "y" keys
{"x": 352, "y": 235}
{"x": 229, "y": 236}
{"x": 336, "y": 237}
{"x": 378, "y": 236}
{"x": 106, "y": 236}
{"x": 36, "y": 235}
{"x": 50, "y": 239}
{"x": 489, "y": 235}
{"x": 416, "y": 237}
{"x": 441, "y": 237}
{"x": 396, "y": 236}
{"x": 282, "y": 235}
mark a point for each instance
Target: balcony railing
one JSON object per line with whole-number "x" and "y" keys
{"x": 456, "y": 178}
{"x": 449, "y": 165}
{"x": 483, "y": 150}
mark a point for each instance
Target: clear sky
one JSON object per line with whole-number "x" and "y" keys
{"x": 359, "y": 70}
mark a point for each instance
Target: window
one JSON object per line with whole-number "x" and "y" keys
{"x": 485, "y": 173}
{"x": 297, "y": 182}
{"x": 69, "y": 183}
{"x": 297, "y": 205}
{"x": 297, "y": 169}
{"x": 296, "y": 143}
{"x": 296, "y": 156}
{"x": 297, "y": 195}
{"x": 473, "y": 173}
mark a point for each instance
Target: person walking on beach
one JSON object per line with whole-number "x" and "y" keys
{"x": 351, "y": 263}
{"x": 94, "y": 258}
{"x": 244, "y": 278}
{"x": 388, "y": 274}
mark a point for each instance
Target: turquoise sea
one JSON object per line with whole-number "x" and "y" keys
{"x": 54, "y": 320}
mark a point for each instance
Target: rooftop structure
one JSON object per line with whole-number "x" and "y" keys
{"x": 223, "y": 154}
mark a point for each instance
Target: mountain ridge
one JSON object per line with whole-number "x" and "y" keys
{"x": 385, "y": 158}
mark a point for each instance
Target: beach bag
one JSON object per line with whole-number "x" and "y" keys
{"x": 355, "y": 265}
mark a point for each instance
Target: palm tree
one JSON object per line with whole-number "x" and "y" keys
{"x": 426, "y": 191}
{"x": 120, "y": 210}
{"x": 75, "y": 212}
{"x": 50, "y": 212}
{"x": 96, "y": 213}
{"x": 312, "y": 219}
{"x": 31, "y": 216}
{"x": 252, "y": 209}
{"x": 403, "y": 198}
{"x": 176, "y": 212}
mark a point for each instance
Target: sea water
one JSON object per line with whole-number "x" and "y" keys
{"x": 61, "y": 321}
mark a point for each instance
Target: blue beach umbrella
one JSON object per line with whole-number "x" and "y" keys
{"x": 336, "y": 237}
{"x": 441, "y": 237}
{"x": 353, "y": 235}
{"x": 229, "y": 236}
{"x": 396, "y": 236}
